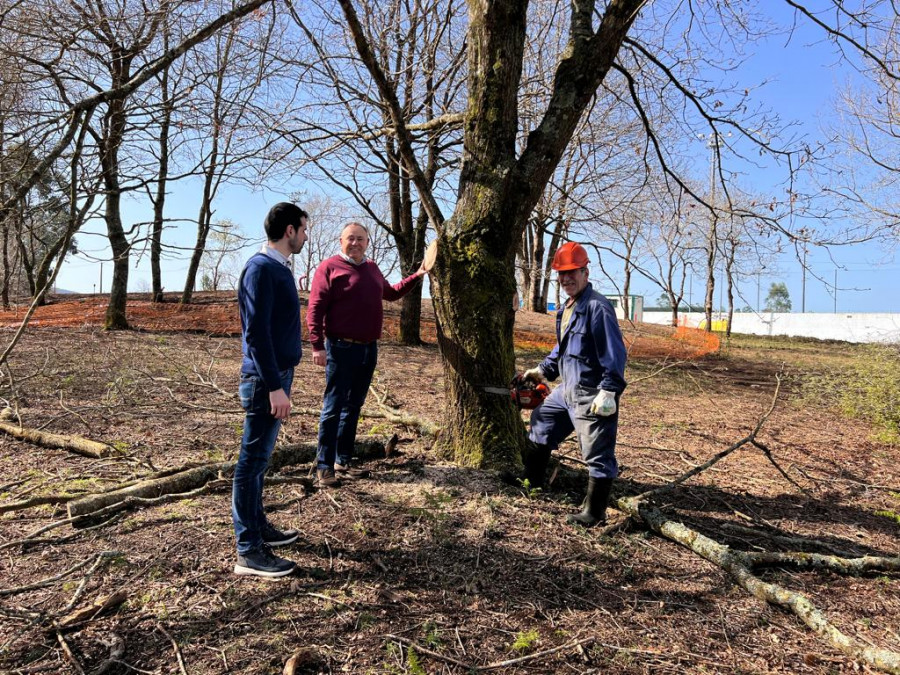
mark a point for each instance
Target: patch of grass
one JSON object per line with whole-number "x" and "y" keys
{"x": 432, "y": 639}
{"x": 364, "y": 620}
{"x": 413, "y": 663}
{"x": 868, "y": 387}
{"x": 525, "y": 641}
{"x": 434, "y": 513}
{"x": 890, "y": 515}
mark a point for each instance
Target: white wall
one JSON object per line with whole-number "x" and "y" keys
{"x": 841, "y": 326}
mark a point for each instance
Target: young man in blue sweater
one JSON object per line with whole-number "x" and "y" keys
{"x": 270, "y": 327}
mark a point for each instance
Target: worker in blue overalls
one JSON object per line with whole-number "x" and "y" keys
{"x": 590, "y": 357}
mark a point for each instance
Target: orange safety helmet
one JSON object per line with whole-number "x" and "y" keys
{"x": 570, "y": 256}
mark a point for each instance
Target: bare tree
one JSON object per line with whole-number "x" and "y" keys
{"x": 220, "y": 266}
{"x": 226, "y": 113}
{"x": 68, "y": 98}
{"x": 498, "y": 187}
{"x": 348, "y": 138}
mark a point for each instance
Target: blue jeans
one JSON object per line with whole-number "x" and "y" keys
{"x": 565, "y": 411}
{"x": 348, "y": 374}
{"x": 257, "y": 443}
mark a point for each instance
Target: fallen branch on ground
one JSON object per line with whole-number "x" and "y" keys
{"x": 749, "y": 438}
{"x": 740, "y": 566}
{"x": 191, "y": 479}
{"x": 77, "y": 444}
{"x": 85, "y": 614}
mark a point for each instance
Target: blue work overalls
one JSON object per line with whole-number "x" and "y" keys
{"x": 589, "y": 356}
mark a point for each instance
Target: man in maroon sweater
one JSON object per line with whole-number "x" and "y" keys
{"x": 345, "y": 318}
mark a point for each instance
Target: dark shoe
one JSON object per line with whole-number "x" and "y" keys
{"x": 594, "y": 511}
{"x": 263, "y": 563}
{"x": 536, "y": 461}
{"x": 349, "y": 470}
{"x": 275, "y": 537}
{"x": 325, "y": 478}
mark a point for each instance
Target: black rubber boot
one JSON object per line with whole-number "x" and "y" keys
{"x": 594, "y": 511}
{"x": 536, "y": 466}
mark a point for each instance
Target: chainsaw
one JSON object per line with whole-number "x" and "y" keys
{"x": 524, "y": 393}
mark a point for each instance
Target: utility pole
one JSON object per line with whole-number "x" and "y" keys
{"x": 713, "y": 142}
{"x": 835, "y": 290}
{"x": 101, "y": 278}
{"x": 803, "y": 283}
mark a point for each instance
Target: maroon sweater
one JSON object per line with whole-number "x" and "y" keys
{"x": 345, "y": 301}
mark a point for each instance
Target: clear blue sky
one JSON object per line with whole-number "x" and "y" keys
{"x": 804, "y": 77}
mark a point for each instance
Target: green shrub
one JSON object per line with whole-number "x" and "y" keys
{"x": 867, "y": 388}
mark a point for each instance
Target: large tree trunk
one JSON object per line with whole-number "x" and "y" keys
{"x": 25, "y": 255}
{"x": 474, "y": 286}
{"x": 474, "y": 281}
{"x": 729, "y": 286}
{"x": 118, "y": 292}
{"x": 4, "y": 226}
{"x": 411, "y": 305}
{"x": 7, "y": 272}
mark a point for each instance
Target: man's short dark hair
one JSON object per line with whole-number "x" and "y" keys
{"x": 280, "y": 216}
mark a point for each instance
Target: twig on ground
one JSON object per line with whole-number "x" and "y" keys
{"x": 435, "y": 655}
{"x": 768, "y": 454}
{"x": 177, "y": 649}
{"x": 62, "y": 575}
{"x": 68, "y": 652}
{"x": 749, "y": 438}
{"x": 536, "y": 655}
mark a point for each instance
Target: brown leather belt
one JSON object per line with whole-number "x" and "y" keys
{"x": 353, "y": 342}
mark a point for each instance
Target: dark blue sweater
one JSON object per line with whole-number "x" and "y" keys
{"x": 270, "y": 319}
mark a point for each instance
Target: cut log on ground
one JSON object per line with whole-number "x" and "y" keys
{"x": 77, "y": 444}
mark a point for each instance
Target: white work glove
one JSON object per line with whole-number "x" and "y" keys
{"x": 604, "y": 404}
{"x": 534, "y": 374}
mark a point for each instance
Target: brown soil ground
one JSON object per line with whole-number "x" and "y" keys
{"x": 426, "y": 552}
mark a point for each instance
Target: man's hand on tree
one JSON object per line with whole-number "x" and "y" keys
{"x": 280, "y": 403}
